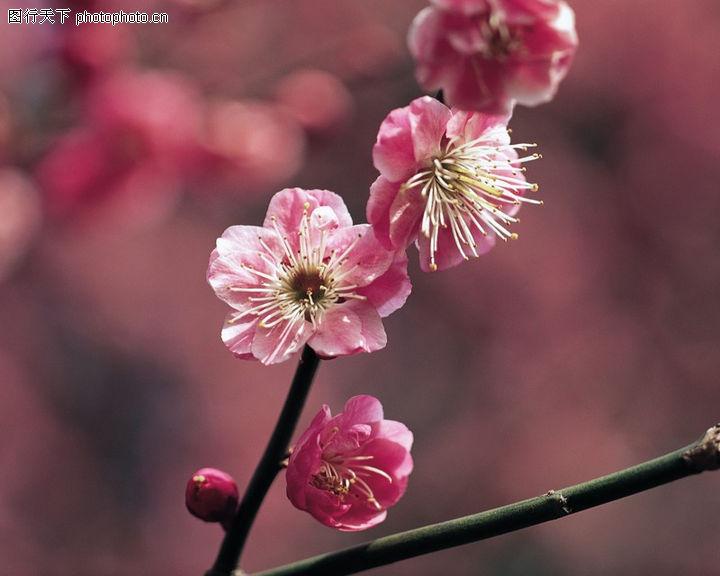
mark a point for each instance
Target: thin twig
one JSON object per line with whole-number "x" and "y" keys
{"x": 270, "y": 464}
{"x": 701, "y": 456}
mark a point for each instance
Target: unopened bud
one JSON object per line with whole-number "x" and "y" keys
{"x": 211, "y": 495}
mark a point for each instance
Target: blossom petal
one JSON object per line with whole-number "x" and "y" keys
{"x": 393, "y": 153}
{"x": 305, "y": 459}
{"x": 396, "y": 432}
{"x": 389, "y": 292}
{"x": 325, "y": 507}
{"x": 437, "y": 63}
{"x": 277, "y": 344}
{"x": 349, "y": 329}
{"x": 362, "y": 409}
{"x": 405, "y": 215}
{"x": 360, "y": 517}
{"x": 366, "y": 261}
{"x": 468, "y": 126}
{"x": 382, "y": 195}
{"x": 238, "y": 336}
{"x": 239, "y": 251}
{"x": 463, "y": 6}
{"x": 428, "y": 121}
{"x": 288, "y": 206}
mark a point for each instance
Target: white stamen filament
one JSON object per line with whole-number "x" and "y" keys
{"x": 342, "y": 475}
{"x": 464, "y": 189}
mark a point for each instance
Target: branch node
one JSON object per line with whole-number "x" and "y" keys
{"x": 705, "y": 454}
{"x": 560, "y": 498}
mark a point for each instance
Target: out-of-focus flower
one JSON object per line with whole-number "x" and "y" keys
{"x": 318, "y": 100}
{"x": 348, "y": 470}
{"x": 211, "y": 495}
{"x": 142, "y": 130}
{"x": 20, "y": 217}
{"x": 91, "y": 49}
{"x": 252, "y": 144}
{"x": 486, "y": 55}
{"x": 154, "y": 114}
{"x": 307, "y": 276}
{"x": 449, "y": 179}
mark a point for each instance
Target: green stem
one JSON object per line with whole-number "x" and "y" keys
{"x": 698, "y": 457}
{"x": 268, "y": 467}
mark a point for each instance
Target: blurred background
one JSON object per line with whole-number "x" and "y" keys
{"x": 587, "y": 346}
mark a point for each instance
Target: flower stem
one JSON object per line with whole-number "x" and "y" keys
{"x": 270, "y": 464}
{"x": 698, "y": 457}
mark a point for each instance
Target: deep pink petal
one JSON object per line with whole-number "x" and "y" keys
{"x": 468, "y": 126}
{"x": 393, "y": 152}
{"x": 463, "y": 6}
{"x": 436, "y": 59}
{"x": 313, "y": 430}
{"x": 405, "y": 216}
{"x": 325, "y": 507}
{"x": 299, "y": 473}
{"x": 362, "y": 409}
{"x": 305, "y": 459}
{"x": 382, "y": 195}
{"x": 390, "y": 457}
{"x": 524, "y": 11}
{"x": 360, "y": 517}
{"x": 428, "y": 121}
{"x": 396, "y": 432}
{"x": 390, "y": 291}
{"x": 481, "y": 86}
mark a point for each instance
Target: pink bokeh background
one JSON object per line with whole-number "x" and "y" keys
{"x": 588, "y": 345}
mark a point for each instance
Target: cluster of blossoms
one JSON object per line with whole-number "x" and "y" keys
{"x": 450, "y": 181}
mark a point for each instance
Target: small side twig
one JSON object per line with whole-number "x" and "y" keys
{"x": 699, "y": 457}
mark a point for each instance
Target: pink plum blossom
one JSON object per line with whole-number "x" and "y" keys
{"x": 486, "y": 55}
{"x": 449, "y": 180}
{"x": 349, "y": 469}
{"x": 307, "y": 276}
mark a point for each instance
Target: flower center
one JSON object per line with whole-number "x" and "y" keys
{"x": 500, "y": 42}
{"x": 470, "y": 188}
{"x": 307, "y": 285}
{"x": 346, "y": 476}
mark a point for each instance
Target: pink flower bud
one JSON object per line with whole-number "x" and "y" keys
{"x": 211, "y": 495}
